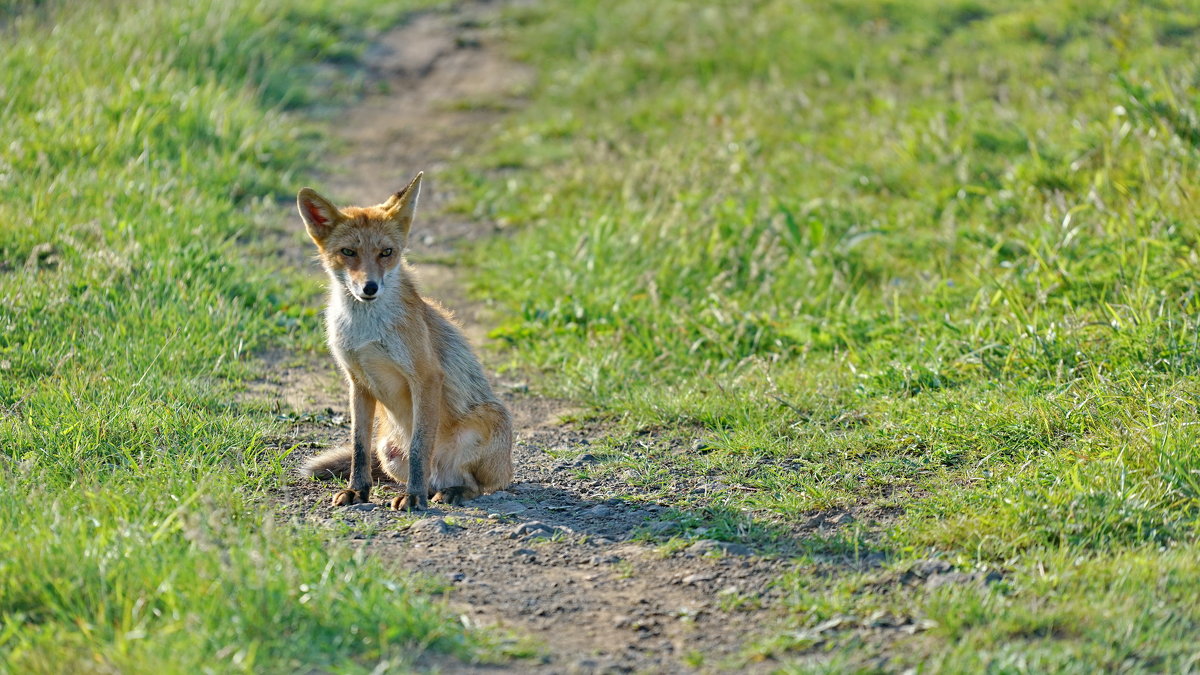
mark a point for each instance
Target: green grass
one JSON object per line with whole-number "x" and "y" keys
{"x": 932, "y": 262}
{"x": 144, "y": 154}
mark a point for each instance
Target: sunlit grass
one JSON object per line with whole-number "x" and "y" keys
{"x": 144, "y": 155}
{"x": 931, "y": 260}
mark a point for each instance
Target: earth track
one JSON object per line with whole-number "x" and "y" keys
{"x": 556, "y": 558}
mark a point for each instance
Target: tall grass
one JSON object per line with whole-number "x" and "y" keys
{"x": 144, "y": 153}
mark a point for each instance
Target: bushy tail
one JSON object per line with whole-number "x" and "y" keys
{"x": 335, "y": 463}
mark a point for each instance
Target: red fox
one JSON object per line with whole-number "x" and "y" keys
{"x": 415, "y": 386}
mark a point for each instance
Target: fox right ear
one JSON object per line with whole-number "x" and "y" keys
{"x": 320, "y": 216}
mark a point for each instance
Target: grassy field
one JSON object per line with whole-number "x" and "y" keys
{"x": 932, "y": 263}
{"x": 144, "y": 151}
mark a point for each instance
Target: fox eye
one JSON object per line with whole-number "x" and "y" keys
{"x": 385, "y": 253}
{"x": 348, "y": 253}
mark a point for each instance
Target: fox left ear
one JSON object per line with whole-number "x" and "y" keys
{"x": 402, "y": 206}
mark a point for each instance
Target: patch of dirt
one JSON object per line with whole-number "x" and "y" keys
{"x": 557, "y": 556}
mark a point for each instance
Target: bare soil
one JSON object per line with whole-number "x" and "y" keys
{"x": 553, "y": 558}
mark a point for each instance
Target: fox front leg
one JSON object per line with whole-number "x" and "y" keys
{"x": 426, "y": 417}
{"x": 362, "y": 418}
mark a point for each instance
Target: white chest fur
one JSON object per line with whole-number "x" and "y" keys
{"x": 364, "y": 338}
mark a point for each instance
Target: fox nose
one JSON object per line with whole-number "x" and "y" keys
{"x": 370, "y": 288}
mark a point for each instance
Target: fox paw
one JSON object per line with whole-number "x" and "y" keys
{"x": 453, "y": 496}
{"x": 410, "y": 502}
{"x": 348, "y": 497}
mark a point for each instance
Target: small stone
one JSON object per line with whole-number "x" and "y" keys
{"x": 598, "y": 511}
{"x": 507, "y": 507}
{"x": 939, "y": 580}
{"x": 841, "y": 520}
{"x": 880, "y": 619}
{"x": 931, "y": 567}
{"x": 697, "y": 577}
{"x": 706, "y": 546}
{"x": 828, "y": 625}
{"x": 532, "y": 527}
{"x": 365, "y": 506}
{"x": 662, "y": 527}
{"x": 433, "y": 526}
{"x": 456, "y": 577}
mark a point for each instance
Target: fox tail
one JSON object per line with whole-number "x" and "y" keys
{"x": 335, "y": 463}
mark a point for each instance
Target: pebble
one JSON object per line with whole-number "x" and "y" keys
{"x": 841, "y": 519}
{"x": 598, "y": 511}
{"x": 830, "y": 624}
{"x": 697, "y": 577}
{"x": 433, "y": 526}
{"x": 931, "y": 566}
{"x": 506, "y": 508}
{"x": 533, "y": 527}
{"x": 365, "y": 506}
{"x": 662, "y": 527}
{"x": 946, "y": 579}
{"x": 706, "y": 546}
{"x": 881, "y": 619}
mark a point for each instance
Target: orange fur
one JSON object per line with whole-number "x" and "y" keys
{"x": 417, "y": 392}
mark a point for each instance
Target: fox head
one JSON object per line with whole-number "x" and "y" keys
{"x": 360, "y": 247}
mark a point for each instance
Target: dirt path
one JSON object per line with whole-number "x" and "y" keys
{"x": 552, "y": 557}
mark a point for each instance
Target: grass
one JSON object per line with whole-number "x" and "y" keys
{"x": 932, "y": 263}
{"x": 145, "y": 151}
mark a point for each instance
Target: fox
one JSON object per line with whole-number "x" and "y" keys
{"x": 418, "y": 395}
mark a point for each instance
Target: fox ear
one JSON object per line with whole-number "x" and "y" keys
{"x": 320, "y": 216}
{"x": 402, "y": 206}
